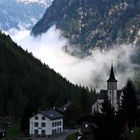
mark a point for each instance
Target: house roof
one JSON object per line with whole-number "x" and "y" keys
{"x": 68, "y": 104}
{"x": 2, "y": 130}
{"x": 87, "y": 126}
{"x": 52, "y": 114}
{"x": 60, "y": 110}
{"x": 64, "y": 108}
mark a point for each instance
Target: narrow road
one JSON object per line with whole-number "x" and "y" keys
{"x": 56, "y": 137}
{"x": 63, "y": 135}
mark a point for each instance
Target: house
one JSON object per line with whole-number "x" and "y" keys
{"x": 2, "y": 133}
{"x": 114, "y": 95}
{"x": 85, "y": 131}
{"x": 46, "y": 123}
{"x": 64, "y": 108}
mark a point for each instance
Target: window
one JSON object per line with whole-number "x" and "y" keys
{"x": 36, "y": 132}
{"x": 54, "y": 130}
{"x": 43, "y": 132}
{"x": 60, "y": 122}
{"x": 36, "y": 124}
{"x": 57, "y": 123}
{"x": 52, "y": 124}
{"x": 36, "y": 117}
{"x": 43, "y": 118}
{"x": 43, "y": 124}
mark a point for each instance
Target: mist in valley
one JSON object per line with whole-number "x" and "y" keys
{"x": 91, "y": 71}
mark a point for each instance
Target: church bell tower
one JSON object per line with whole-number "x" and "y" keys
{"x": 112, "y": 82}
{"x": 112, "y": 89}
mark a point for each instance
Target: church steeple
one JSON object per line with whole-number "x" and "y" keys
{"x": 112, "y": 88}
{"x": 112, "y": 75}
{"x": 112, "y": 82}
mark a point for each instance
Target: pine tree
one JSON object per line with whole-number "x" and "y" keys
{"x": 107, "y": 124}
{"x": 107, "y": 109}
{"x": 72, "y": 114}
{"x": 128, "y": 106}
{"x": 30, "y": 109}
{"x": 84, "y": 102}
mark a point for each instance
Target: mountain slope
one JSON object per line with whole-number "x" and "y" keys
{"x": 94, "y": 23}
{"x": 25, "y": 79}
{"x": 20, "y": 13}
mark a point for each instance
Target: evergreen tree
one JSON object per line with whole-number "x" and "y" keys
{"x": 30, "y": 109}
{"x": 128, "y": 106}
{"x": 23, "y": 78}
{"x": 85, "y": 102}
{"x": 72, "y": 114}
{"x": 107, "y": 109}
{"x": 107, "y": 124}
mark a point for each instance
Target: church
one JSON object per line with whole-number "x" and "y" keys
{"x": 114, "y": 95}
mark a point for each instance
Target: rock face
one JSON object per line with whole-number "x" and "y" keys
{"x": 94, "y": 23}
{"x": 26, "y": 13}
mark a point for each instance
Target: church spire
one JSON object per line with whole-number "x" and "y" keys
{"x": 112, "y": 75}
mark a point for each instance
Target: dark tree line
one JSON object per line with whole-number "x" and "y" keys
{"x": 110, "y": 124}
{"x": 25, "y": 81}
{"x": 128, "y": 107}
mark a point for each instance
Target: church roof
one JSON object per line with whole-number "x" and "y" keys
{"x": 112, "y": 76}
{"x": 102, "y": 94}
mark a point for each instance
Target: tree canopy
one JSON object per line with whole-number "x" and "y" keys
{"x": 107, "y": 123}
{"x": 128, "y": 106}
{"x": 23, "y": 78}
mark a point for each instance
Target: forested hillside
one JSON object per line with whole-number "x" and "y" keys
{"x": 25, "y": 80}
{"x": 94, "y": 23}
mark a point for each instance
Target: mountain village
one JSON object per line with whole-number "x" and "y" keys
{"x": 50, "y": 51}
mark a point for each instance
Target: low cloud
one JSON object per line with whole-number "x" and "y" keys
{"x": 91, "y": 71}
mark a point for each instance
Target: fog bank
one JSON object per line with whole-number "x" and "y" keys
{"x": 91, "y": 71}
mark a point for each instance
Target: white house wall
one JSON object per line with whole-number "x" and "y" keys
{"x": 47, "y": 128}
{"x": 57, "y": 128}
